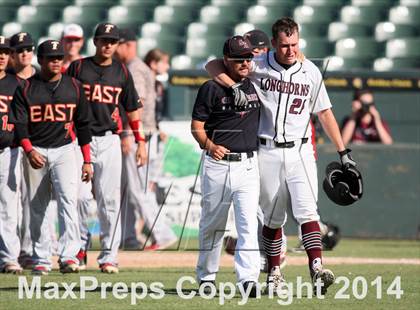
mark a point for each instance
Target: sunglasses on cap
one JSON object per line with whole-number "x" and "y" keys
{"x": 24, "y": 49}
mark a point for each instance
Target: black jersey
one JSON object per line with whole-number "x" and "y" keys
{"x": 45, "y": 112}
{"x": 235, "y": 129}
{"x": 8, "y": 85}
{"x": 106, "y": 87}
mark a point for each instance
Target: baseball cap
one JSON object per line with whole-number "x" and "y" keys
{"x": 107, "y": 31}
{"x": 21, "y": 40}
{"x": 4, "y": 42}
{"x": 72, "y": 31}
{"x": 127, "y": 35}
{"x": 236, "y": 47}
{"x": 258, "y": 38}
{"x": 50, "y": 48}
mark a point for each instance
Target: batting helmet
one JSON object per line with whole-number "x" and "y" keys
{"x": 343, "y": 185}
{"x": 331, "y": 237}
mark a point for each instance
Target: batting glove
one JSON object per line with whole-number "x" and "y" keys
{"x": 239, "y": 96}
{"x": 346, "y": 159}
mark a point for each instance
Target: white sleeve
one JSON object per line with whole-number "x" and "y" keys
{"x": 319, "y": 98}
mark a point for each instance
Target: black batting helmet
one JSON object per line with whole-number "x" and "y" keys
{"x": 343, "y": 185}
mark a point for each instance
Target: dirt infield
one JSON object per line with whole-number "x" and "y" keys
{"x": 142, "y": 259}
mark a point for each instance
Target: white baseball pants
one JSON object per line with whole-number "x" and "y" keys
{"x": 288, "y": 177}
{"x": 222, "y": 183}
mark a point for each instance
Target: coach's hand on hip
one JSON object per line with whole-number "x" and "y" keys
{"x": 217, "y": 151}
{"x": 141, "y": 154}
{"x": 36, "y": 160}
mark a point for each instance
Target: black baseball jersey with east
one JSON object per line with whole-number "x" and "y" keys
{"x": 106, "y": 87}
{"x": 234, "y": 128}
{"x": 8, "y": 85}
{"x": 45, "y": 112}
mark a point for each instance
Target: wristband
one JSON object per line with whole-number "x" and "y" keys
{"x": 138, "y": 134}
{"x": 27, "y": 145}
{"x": 86, "y": 152}
{"x": 87, "y": 163}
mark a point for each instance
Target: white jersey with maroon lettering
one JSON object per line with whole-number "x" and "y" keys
{"x": 288, "y": 97}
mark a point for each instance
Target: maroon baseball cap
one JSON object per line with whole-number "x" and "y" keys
{"x": 237, "y": 47}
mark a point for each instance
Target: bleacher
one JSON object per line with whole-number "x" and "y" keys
{"x": 382, "y": 35}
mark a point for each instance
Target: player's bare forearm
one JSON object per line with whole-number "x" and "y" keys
{"x": 327, "y": 119}
{"x": 348, "y": 131}
{"x": 214, "y": 150}
{"x": 217, "y": 70}
{"x": 141, "y": 154}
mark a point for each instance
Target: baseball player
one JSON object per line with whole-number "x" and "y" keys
{"x": 72, "y": 40}
{"x": 135, "y": 193}
{"x": 108, "y": 84}
{"x": 289, "y": 91}
{"x": 43, "y": 111}
{"x": 230, "y": 169}
{"x": 23, "y": 47}
{"x": 10, "y": 170}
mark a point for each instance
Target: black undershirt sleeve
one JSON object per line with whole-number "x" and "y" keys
{"x": 18, "y": 114}
{"x": 204, "y": 102}
{"x": 82, "y": 118}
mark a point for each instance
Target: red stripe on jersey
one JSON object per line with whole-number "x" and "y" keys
{"x": 313, "y": 139}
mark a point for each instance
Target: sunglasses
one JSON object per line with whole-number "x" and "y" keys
{"x": 24, "y": 49}
{"x": 240, "y": 60}
{"x": 52, "y": 58}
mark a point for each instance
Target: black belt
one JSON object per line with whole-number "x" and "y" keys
{"x": 284, "y": 145}
{"x": 237, "y": 156}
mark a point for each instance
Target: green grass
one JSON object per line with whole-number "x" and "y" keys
{"x": 409, "y": 284}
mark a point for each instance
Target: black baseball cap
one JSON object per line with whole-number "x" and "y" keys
{"x": 21, "y": 40}
{"x": 237, "y": 47}
{"x": 127, "y": 35}
{"x": 258, "y": 38}
{"x": 50, "y": 48}
{"x": 4, "y": 43}
{"x": 107, "y": 31}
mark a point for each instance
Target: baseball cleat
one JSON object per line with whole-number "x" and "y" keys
{"x": 274, "y": 279}
{"x": 109, "y": 268}
{"x": 161, "y": 246}
{"x": 69, "y": 266}
{"x": 253, "y": 290}
{"x": 82, "y": 257}
{"x": 207, "y": 286}
{"x": 40, "y": 270}
{"x": 13, "y": 268}
{"x": 26, "y": 262}
{"x": 324, "y": 276}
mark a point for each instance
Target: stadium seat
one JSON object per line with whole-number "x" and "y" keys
{"x": 410, "y": 3}
{"x": 314, "y": 15}
{"x": 363, "y": 16}
{"x": 337, "y": 63}
{"x": 7, "y": 14}
{"x": 403, "y": 48}
{"x": 153, "y": 30}
{"x": 263, "y": 14}
{"x": 126, "y": 17}
{"x": 201, "y": 30}
{"x": 215, "y": 15}
{"x": 201, "y": 48}
{"x": 146, "y": 5}
{"x": 97, "y": 3}
{"x": 55, "y": 30}
{"x": 11, "y": 3}
{"x": 87, "y": 17}
{"x": 315, "y": 47}
{"x": 329, "y": 3}
{"x": 89, "y": 47}
{"x": 164, "y": 14}
{"x": 290, "y": 3}
{"x": 340, "y": 30}
{"x": 50, "y": 3}
{"x": 242, "y": 28}
{"x": 402, "y": 15}
{"x": 11, "y": 28}
{"x": 357, "y": 48}
{"x": 312, "y": 30}
{"x": 237, "y": 6}
{"x": 387, "y": 30}
{"x": 185, "y": 62}
{"x": 377, "y": 4}
{"x": 387, "y": 64}
{"x": 29, "y": 14}
{"x": 172, "y": 46}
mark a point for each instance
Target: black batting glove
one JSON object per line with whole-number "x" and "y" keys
{"x": 239, "y": 97}
{"x": 346, "y": 159}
